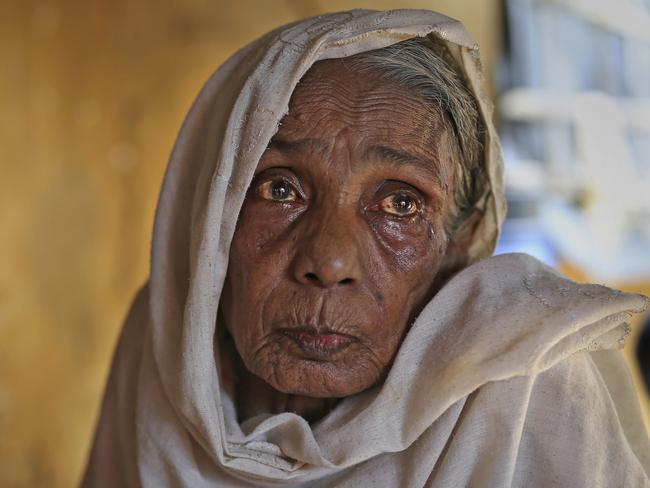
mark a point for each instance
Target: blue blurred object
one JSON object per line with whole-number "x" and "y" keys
{"x": 525, "y": 235}
{"x": 575, "y": 125}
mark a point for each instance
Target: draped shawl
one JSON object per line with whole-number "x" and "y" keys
{"x": 510, "y": 376}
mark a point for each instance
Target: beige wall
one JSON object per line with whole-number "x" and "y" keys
{"x": 92, "y": 94}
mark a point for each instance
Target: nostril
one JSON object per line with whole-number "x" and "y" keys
{"x": 316, "y": 279}
{"x": 312, "y": 277}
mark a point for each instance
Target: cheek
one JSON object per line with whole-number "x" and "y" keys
{"x": 411, "y": 254}
{"x": 411, "y": 246}
{"x": 261, "y": 227}
{"x": 262, "y": 244}
{"x": 260, "y": 255}
{"x": 251, "y": 274}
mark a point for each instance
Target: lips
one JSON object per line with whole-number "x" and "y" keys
{"x": 319, "y": 344}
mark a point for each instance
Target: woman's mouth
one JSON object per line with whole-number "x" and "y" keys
{"x": 319, "y": 344}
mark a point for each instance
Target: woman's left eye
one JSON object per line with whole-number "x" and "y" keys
{"x": 399, "y": 204}
{"x": 278, "y": 189}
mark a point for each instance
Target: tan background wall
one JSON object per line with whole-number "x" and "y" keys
{"x": 92, "y": 94}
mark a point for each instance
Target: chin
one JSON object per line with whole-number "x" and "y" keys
{"x": 319, "y": 378}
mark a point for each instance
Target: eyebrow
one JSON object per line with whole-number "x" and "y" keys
{"x": 298, "y": 146}
{"x": 385, "y": 153}
{"x": 400, "y": 158}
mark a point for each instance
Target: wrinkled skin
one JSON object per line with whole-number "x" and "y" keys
{"x": 341, "y": 239}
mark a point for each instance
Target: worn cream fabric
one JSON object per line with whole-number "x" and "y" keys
{"x": 509, "y": 377}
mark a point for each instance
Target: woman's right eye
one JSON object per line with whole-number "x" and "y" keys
{"x": 278, "y": 190}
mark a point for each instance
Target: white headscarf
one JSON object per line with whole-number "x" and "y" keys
{"x": 494, "y": 385}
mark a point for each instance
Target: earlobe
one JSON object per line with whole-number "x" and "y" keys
{"x": 463, "y": 235}
{"x": 457, "y": 255}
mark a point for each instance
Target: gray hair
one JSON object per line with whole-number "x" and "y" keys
{"x": 426, "y": 68}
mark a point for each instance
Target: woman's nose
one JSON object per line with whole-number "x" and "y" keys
{"x": 327, "y": 254}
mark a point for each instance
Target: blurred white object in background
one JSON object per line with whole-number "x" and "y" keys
{"x": 577, "y": 109}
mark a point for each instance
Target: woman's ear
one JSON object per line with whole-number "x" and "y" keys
{"x": 457, "y": 254}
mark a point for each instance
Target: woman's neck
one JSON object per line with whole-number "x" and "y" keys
{"x": 254, "y": 396}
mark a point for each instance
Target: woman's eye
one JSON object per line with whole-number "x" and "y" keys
{"x": 399, "y": 204}
{"x": 279, "y": 190}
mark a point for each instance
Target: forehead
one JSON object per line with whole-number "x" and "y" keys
{"x": 333, "y": 96}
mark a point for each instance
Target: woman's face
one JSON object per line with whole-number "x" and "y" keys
{"x": 341, "y": 235}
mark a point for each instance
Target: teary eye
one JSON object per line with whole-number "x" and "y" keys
{"x": 277, "y": 189}
{"x": 399, "y": 204}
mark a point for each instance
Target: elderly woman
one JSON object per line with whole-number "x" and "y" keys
{"x": 322, "y": 309}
